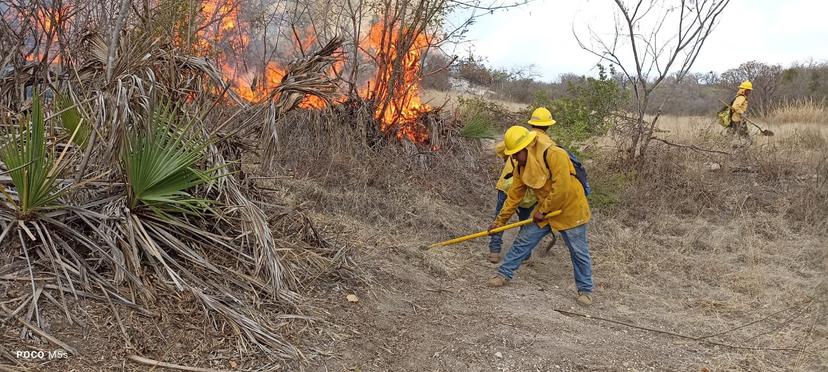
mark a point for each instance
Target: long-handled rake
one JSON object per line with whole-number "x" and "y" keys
{"x": 487, "y": 233}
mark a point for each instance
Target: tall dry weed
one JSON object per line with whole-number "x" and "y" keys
{"x": 808, "y": 138}
{"x": 807, "y": 110}
{"x": 343, "y": 165}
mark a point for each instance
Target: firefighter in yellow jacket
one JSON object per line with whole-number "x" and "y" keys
{"x": 540, "y": 121}
{"x": 738, "y": 108}
{"x": 547, "y": 170}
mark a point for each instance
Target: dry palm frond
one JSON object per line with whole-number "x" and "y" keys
{"x": 305, "y": 76}
{"x": 308, "y": 76}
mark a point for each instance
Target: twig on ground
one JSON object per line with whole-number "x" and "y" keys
{"x": 155, "y": 363}
{"x": 751, "y": 323}
{"x": 780, "y": 325}
{"x": 12, "y": 369}
{"x": 5, "y": 353}
{"x": 674, "y": 334}
{"x": 117, "y": 317}
{"x": 47, "y": 336}
{"x": 439, "y": 290}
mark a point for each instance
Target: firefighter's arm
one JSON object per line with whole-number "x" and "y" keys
{"x": 513, "y": 199}
{"x": 561, "y": 180}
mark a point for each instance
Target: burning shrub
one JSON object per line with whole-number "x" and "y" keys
{"x": 138, "y": 225}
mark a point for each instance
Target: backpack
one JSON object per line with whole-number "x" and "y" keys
{"x": 580, "y": 171}
{"x": 726, "y": 114}
{"x": 724, "y": 117}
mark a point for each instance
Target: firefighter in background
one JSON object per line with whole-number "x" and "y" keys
{"x": 738, "y": 109}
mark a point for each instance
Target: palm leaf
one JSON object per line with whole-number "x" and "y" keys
{"x": 33, "y": 170}
{"x": 161, "y": 164}
{"x": 71, "y": 119}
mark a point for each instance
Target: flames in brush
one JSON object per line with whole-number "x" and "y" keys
{"x": 42, "y": 44}
{"x": 222, "y": 34}
{"x": 398, "y": 105}
{"x": 397, "y": 91}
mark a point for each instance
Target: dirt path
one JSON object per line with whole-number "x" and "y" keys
{"x": 419, "y": 321}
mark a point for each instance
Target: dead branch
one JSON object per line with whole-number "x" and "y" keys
{"x": 155, "y": 363}
{"x": 675, "y": 334}
{"x": 113, "y": 41}
{"x": 692, "y": 147}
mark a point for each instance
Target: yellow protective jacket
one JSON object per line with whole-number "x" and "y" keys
{"x": 739, "y": 106}
{"x": 504, "y": 183}
{"x": 556, "y": 188}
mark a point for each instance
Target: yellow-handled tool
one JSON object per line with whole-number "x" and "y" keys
{"x": 765, "y": 132}
{"x": 486, "y": 233}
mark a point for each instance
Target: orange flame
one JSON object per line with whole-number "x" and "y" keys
{"x": 396, "y": 93}
{"x": 221, "y": 25}
{"x": 45, "y": 38}
{"x": 399, "y": 106}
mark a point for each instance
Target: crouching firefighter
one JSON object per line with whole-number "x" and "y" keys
{"x": 547, "y": 170}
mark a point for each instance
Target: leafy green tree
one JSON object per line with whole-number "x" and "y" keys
{"x": 584, "y": 111}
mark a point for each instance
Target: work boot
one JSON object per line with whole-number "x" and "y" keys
{"x": 497, "y": 281}
{"x": 494, "y": 257}
{"x": 585, "y": 298}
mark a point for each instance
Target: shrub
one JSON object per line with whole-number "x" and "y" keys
{"x": 479, "y": 126}
{"x": 607, "y": 187}
{"x": 482, "y": 118}
{"x": 583, "y": 112}
{"x": 475, "y": 72}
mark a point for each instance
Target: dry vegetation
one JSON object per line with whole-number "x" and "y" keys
{"x": 800, "y": 111}
{"x": 728, "y": 249}
{"x": 246, "y": 263}
{"x": 709, "y": 241}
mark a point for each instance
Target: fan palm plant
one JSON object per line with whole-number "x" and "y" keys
{"x": 161, "y": 164}
{"x": 33, "y": 170}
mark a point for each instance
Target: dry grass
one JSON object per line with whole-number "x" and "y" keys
{"x": 228, "y": 259}
{"x": 449, "y": 99}
{"x": 724, "y": 246}
{"x": 800, "y": 111}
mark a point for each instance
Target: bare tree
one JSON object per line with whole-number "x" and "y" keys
{"x": 652, "y": 40}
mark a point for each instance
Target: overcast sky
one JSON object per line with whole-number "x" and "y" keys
{"x": 540, "y": 34}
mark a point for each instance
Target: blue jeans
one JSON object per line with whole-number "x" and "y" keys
{"x": 575, "y": 239}
{"x": 496, "y": 241}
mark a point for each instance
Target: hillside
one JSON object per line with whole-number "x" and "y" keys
{"x": 232, "y": 185}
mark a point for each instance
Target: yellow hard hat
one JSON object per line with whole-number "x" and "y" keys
{"x": 517, "y": 138}
{"x": 746, "y": 85}
{"x": 541, "y": 117}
